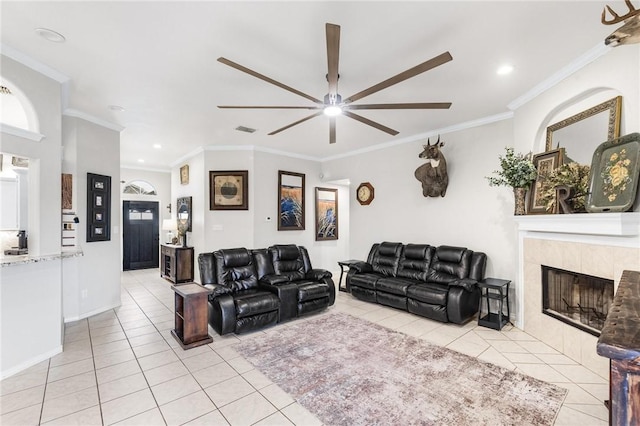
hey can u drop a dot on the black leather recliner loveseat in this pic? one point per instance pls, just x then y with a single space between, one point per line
439 283
251 289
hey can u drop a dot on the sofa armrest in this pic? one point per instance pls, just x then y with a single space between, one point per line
217 290
273 279
361 267
318 274
466 283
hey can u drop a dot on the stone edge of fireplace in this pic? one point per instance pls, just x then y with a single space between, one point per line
600 244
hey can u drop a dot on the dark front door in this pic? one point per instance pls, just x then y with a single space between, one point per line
140 234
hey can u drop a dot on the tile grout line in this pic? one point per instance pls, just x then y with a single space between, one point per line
44 393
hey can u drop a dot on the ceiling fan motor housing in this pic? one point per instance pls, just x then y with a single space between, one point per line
331 100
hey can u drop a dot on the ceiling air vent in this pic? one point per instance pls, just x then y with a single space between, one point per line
5 90
245 129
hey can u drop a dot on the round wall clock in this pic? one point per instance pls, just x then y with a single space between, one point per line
365 193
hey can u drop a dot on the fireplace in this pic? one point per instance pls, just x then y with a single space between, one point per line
579 300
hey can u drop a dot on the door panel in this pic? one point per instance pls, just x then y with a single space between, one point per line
140 234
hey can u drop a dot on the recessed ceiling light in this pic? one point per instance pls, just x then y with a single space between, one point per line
116 108
140 160
50 35
157 146
505 69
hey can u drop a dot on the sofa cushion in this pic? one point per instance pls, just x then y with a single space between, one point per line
430 293
364 280
312 290
397 286
415 261
450 264
287 261
234 269
386 259
254 302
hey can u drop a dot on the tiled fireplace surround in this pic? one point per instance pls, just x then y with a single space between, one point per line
598 244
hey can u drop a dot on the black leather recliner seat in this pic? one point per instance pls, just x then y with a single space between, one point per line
434 282
251 289
237 303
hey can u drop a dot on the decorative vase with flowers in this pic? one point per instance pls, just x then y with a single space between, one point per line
516 171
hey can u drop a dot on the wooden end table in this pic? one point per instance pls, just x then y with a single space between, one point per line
191 315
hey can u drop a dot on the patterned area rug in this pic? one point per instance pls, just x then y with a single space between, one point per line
348 371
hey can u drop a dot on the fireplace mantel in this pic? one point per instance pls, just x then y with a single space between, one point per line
605 224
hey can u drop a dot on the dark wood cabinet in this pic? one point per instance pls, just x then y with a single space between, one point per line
191 315
176 263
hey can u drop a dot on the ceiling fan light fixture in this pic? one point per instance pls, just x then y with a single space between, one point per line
332 110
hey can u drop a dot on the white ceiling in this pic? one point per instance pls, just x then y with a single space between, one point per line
158 61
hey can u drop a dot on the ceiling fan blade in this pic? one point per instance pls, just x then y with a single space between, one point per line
412 72
267 79
422 105
296 123
370 123
267 107
333 55
332 130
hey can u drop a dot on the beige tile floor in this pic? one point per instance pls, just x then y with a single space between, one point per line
123 367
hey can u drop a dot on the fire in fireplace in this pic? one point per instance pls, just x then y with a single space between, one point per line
577 299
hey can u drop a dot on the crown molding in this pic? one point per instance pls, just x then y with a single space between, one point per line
22 133
421 136
32 63
585 59
145 169
70 112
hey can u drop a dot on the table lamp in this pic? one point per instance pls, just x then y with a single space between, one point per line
170 226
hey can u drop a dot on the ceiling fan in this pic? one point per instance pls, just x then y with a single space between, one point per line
333 105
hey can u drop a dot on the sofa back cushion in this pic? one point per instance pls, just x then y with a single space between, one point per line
207 267
287 261
450 264
415 261
235 269
386 258
262 262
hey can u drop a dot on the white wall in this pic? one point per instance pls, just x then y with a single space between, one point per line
471 214
92 282
31 295
216 229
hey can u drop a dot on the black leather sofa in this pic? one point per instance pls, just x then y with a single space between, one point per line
251 289
439 283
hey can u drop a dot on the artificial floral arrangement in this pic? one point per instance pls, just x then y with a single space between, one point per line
571 174
516 170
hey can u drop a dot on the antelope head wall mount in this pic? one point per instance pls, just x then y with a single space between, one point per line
629 33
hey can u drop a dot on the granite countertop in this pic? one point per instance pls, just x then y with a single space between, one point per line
8 260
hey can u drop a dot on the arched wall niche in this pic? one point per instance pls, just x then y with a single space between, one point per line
20 114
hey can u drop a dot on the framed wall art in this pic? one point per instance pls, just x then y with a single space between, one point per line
615 171
545 163
229 190
326 214
290 201
184 174
98 207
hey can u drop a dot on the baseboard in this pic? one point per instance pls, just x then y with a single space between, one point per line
30 363
92 313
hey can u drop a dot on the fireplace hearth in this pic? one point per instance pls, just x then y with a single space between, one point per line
579 300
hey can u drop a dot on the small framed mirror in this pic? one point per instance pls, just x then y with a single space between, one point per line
582 133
